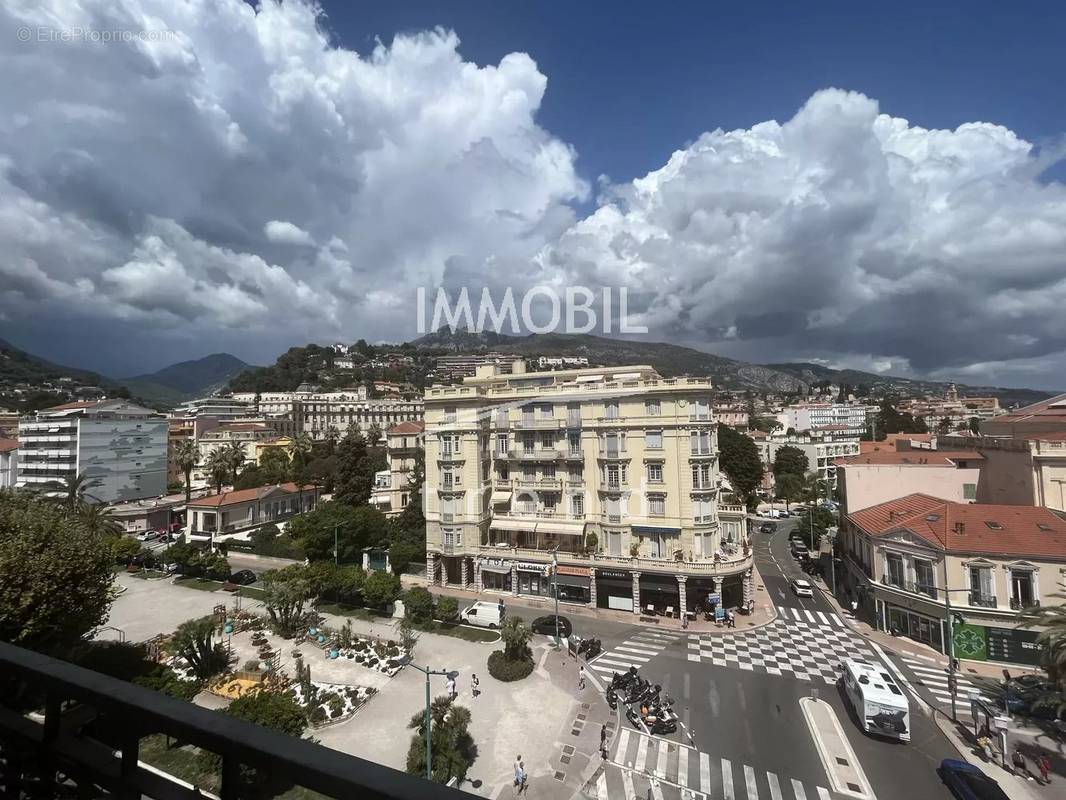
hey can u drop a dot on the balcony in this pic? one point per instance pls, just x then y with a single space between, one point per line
982 600
536 454
724 565
612 452
538 424
1017 604
90 733
538 483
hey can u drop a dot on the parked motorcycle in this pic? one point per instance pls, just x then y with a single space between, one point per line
590 648
623 680
612 698
660 718
636 691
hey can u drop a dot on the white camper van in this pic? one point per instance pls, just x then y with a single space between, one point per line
485 615
880 704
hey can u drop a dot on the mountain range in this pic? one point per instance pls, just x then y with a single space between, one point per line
726 373
186 379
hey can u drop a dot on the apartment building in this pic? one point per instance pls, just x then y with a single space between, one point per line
1029 470
868 479
851 419
315 412
1047 416
613 472
562 362
233 512
9 462
391 486
821 455
918 565
250 435
464 365
732 415
119 446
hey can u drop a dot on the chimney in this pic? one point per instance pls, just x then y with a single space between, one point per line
891 515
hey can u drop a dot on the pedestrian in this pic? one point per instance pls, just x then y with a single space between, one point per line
522 785
985 743
603 742
1020 765
581 678
517 771
684 621
474 683
452 693
1043 763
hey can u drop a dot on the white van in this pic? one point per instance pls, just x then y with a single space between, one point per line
485 615
880 704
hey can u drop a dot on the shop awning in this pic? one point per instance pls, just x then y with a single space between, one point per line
508 524
656 530
573 580
558 527
501 497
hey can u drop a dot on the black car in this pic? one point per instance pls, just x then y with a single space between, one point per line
967 782
243 577
546 625
767 527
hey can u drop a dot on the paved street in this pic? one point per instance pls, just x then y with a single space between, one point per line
737 695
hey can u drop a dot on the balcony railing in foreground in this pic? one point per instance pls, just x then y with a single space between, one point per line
60 756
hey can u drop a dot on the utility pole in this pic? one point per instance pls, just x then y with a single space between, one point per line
429 717
336 548
555 591
952 680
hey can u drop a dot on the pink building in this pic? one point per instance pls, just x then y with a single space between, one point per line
871 478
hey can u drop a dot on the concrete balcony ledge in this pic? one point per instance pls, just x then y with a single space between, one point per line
729 565
537 424
538 483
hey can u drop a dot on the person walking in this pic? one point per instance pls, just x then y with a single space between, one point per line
474 684
1020 765
603 742
1043 763
518 773
522 784
581 678
451 689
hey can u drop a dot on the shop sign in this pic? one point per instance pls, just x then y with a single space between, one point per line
970 641
714 598
1013 646
495 562
529 566
610 573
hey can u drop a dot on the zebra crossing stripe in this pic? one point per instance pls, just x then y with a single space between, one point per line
823 793
623 746
810 616
656 791
821 616
682 767
749 781
624 663
705 773
626 649
601 787
836 620
660 762
775 787
643 745
798 790
727 778
627 783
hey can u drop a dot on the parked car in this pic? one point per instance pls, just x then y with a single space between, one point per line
1021 695
800 551
802 588
968 782
147 536
482 614
243 577
767 527
546 625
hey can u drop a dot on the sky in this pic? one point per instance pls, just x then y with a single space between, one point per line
865 187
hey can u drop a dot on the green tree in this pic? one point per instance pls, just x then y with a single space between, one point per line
516 636
124 548
975 425
279 712
447 608
418 604
380 589
813 524
194 641
73 491
276 461
55 576
185 456
355 471
789 487
285 592
453 746
217 467
99 519
233 453
943 427
302 445
353 529
739 458
790 460
186 556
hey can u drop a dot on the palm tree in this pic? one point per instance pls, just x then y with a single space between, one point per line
301 449
373 434
73 490
233 453
332 437
98 519
185 456
217 466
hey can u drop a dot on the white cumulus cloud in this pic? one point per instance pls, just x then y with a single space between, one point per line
283 232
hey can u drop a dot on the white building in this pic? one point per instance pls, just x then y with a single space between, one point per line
315 412
821 455
119 446
559 362
850 419
9 461
391 486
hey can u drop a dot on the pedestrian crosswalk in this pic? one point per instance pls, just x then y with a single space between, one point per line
934 679
828 618
649 766
635 651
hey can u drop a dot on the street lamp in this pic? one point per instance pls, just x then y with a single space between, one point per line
429 719
555 591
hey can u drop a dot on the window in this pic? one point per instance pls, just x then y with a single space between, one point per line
574 475
611 409
1022 593
449 446
449 414
504 472
702 511
501 444
547 411
701 476
577 505
655 473
615 475
548 471
527 414
574 441
969 491
613 445
547 440
614 510
656 506
700 442
501 417
923 577
894 570
652 408
573 415
653 440
982 592
701 409
527 443
453 537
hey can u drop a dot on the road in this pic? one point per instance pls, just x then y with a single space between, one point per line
738 696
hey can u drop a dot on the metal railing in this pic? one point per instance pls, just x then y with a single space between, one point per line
1017 604
538 424
539 483
94 759
982 600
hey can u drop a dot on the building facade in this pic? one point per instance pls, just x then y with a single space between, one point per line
836 416
929 569
821 455
315 413
9 463
611 473
233 512
392 489
1029 471
250 435
120 447
869 479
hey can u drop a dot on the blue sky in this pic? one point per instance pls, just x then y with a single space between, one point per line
257 177
630 82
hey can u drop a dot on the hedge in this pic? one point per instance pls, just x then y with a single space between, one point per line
504 670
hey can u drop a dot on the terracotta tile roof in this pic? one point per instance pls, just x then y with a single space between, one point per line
78 404
892 438
937 458
1056 436
247 495
7 445
994 530
1052 407
243 426
410 426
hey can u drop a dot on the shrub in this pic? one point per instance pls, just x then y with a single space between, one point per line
447 609
251 665
336 706
318 715
504 670
418 604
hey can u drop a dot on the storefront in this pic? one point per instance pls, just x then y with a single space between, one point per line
496 575
916 626
533 579
614 589
575 585
701 595
661 592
